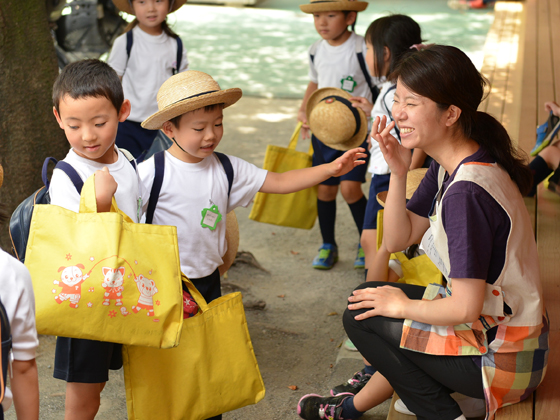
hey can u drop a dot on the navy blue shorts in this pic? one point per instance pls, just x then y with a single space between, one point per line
325 154
85 361
378 183
209 287
132 137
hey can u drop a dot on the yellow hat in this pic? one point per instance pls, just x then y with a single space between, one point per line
330 5
413 179
333 119
126 5
188 91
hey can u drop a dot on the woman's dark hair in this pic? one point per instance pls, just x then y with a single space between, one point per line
164 26
396 32
447 76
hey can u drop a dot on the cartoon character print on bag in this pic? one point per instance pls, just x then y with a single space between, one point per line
71 281
148 289
113 284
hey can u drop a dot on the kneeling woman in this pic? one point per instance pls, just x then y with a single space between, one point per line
485 335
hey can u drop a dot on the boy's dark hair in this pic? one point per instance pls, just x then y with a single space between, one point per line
396 32
208 108
88 78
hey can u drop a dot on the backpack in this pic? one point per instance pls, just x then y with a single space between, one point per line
20 221
359 54
5 350
159 162
130 40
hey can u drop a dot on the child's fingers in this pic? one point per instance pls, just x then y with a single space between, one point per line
105 169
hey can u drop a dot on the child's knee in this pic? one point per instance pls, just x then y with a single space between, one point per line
327 192
351 191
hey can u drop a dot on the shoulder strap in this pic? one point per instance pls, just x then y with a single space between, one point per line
313 50
129 156
159 162
68 170
179 55
359 53
226 163
388 110
129 41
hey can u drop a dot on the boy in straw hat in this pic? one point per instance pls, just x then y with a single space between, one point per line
16 295
335 63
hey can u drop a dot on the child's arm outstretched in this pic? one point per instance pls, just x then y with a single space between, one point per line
311 87
105 189
300 179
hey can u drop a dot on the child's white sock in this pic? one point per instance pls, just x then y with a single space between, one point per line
461 417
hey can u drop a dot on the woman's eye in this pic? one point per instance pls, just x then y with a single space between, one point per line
219 125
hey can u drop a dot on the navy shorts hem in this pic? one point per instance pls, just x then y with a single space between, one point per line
378 183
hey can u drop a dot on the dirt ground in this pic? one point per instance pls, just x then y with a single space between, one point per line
298 335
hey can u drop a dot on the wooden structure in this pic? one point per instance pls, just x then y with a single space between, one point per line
522 63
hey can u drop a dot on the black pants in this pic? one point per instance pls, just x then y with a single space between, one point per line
424 382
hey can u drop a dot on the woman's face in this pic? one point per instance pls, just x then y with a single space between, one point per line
420 121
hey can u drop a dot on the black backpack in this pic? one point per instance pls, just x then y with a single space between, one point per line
20 221
6 334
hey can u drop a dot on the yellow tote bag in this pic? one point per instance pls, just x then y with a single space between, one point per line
299 209
212 371
102 277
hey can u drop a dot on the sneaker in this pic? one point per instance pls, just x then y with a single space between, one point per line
545 133
352 385
348 345
315 407
360 261
470 407
327 257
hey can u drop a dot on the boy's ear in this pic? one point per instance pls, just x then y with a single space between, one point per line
167 128
351 18
58 119
125 111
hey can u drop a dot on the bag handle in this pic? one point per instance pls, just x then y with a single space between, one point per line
88 203
295 137
197 296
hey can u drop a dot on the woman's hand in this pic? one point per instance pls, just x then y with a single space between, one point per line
397 157
362 103
385 301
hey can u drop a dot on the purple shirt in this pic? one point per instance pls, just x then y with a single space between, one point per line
477 227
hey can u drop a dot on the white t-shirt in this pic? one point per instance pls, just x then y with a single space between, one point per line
188 189
333 66
63 193
16 292
383 104
151 62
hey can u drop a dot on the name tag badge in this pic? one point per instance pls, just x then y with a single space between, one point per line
348 84
210 217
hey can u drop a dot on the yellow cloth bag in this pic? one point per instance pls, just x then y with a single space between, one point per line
419 270
299 209
212 371
100 276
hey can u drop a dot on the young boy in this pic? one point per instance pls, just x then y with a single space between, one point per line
88 105
194 193
16 294
334 63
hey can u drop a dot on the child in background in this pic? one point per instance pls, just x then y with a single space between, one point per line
195 186
16 293
547 159
88 105
335 63
156 54
387 40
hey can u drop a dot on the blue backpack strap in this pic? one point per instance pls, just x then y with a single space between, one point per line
71 172
129 41
44 172
159 162
179 55
359 53
226 163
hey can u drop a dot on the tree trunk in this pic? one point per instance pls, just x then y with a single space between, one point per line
28 129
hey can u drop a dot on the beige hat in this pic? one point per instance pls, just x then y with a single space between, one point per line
232 239
333 119
1 175
126 5
188 91
329 5
413 179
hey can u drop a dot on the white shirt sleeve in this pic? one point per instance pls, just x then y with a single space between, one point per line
147 172
118 58
184 60
62 191
248 179
313 75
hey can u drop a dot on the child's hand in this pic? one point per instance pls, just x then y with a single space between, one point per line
347 162
304 128
552 106
362 103
105 188
397 157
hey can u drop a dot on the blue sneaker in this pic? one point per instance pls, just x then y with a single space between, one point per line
328 255
545 133
360 261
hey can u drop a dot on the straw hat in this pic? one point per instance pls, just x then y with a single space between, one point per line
334 120
232 239
330 5
1 175
188 91
413 179
126 5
